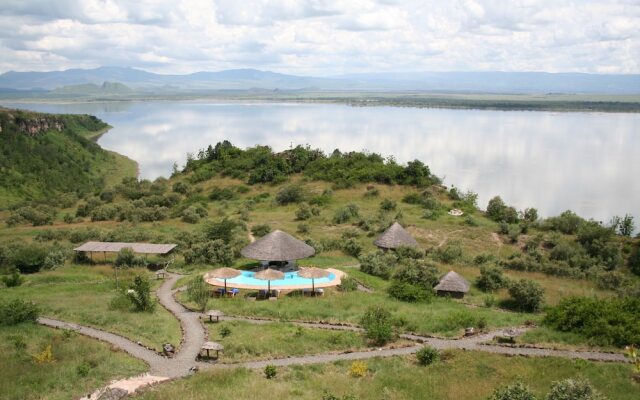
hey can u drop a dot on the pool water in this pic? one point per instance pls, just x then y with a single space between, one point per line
290 279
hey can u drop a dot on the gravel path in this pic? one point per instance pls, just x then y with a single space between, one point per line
163 368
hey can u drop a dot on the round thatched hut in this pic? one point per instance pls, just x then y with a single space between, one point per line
452 284
279 247
395 236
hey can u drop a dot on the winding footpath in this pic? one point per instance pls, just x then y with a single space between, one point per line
162 368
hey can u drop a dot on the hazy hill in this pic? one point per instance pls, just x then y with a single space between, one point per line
46 156
90 89
251 79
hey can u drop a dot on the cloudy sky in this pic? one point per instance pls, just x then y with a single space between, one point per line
321 37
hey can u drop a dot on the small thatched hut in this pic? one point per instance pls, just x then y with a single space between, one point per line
395 236
452 284
277 246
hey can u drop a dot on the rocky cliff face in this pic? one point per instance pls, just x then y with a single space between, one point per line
31 125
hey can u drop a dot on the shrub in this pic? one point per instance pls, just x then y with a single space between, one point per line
55 259
303 212
409 252
181 187
420 273
304 228
352 247
346 214
427 355
491 279
567 222
44 357
120 302
218 194
270 371
527 295
408 292
127 258
573 389
198 292
28 258
18 311
634 260
348 284
448 253
192 214
83 369
225 331
388 205
377 263
358 369
290 194
261 229
605 322
517 391
377 324
139 294
372 192
12 280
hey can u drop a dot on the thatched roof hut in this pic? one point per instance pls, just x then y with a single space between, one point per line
395 236
452 284
277 246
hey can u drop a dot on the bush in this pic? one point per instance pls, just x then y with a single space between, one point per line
192 214
348 284
517 391
290 194
346 214
378 263
491 279
377 324
527 295
12 280
420 273
358 369
139 294
388 205
303 212
181 187
604 322
352 247
634 260
408 292
573 389
270 371
447 254
18 311
224 331
567 222
304 228
28 258
55 259
409 252
218 194
198 292
427 355
127 258
260 230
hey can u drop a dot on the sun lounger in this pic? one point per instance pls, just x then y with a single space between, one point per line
233 292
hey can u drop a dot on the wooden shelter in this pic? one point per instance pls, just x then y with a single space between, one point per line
395 236
114 247
452 284
277 246
209 346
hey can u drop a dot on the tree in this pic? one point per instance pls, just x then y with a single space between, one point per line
140 294
495 208
198 292
377 325
527 295
624 226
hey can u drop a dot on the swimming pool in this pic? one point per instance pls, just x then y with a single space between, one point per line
291 281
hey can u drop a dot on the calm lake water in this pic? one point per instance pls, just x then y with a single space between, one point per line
586 162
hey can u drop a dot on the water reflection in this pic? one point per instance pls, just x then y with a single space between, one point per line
552 161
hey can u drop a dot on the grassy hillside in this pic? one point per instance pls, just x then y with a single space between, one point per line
53 157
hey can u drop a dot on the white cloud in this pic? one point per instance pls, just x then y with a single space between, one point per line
322 37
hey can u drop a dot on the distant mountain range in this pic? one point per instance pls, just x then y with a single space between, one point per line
74 82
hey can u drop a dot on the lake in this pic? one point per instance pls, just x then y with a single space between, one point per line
586 162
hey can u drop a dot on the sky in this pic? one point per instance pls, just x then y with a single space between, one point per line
322 38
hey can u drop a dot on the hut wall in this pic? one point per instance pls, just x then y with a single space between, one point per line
446 293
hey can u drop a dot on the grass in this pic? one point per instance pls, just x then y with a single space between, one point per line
462 375
82 294
80 365
248 341
543 336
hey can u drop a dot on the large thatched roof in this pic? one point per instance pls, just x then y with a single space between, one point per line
453 282
395 236
277 246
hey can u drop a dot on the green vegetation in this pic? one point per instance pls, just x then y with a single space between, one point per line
78 365
378 325
460 375
51 157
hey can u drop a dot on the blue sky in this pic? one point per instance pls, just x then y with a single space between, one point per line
320 37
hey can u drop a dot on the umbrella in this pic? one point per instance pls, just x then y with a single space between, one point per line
313 273
223 273
269 275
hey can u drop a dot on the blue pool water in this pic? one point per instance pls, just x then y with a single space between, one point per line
290 279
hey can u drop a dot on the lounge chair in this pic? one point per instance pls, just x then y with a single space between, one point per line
319 292
233 292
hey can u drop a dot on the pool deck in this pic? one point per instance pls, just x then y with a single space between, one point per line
334 282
